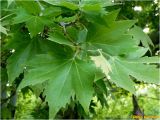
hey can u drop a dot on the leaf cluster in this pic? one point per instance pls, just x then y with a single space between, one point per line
66 48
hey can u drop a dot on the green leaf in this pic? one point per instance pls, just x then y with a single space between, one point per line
25 48
139 52
140 36
144 72
122 69
114 72
103 3
99 75
63 3
10 2
58 37
121 45
17 61
36 24
154 59
66 19
4 76
52 11
69 5
66 78
56 44
53 2
22 16
73 32
38 88
92 8
17 39
120 77
101 91
82 35
78 36
96 13
3 30
95 18
112 40
30 6
111 16
101 85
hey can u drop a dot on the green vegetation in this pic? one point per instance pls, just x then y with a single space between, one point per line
78 59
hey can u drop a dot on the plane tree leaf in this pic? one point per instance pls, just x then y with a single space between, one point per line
120 78
34 23
60 38
154 59
65 77
139 52
140 36
30 6
21 16
101 91
64 3
25 49
112 40
17 61
144 72
122 69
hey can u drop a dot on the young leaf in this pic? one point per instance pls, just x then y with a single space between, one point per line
102 63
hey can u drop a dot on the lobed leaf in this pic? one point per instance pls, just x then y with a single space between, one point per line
140 36
66 78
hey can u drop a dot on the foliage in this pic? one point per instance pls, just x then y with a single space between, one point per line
122 103
56 46
30 107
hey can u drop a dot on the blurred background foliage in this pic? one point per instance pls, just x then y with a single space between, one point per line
119 102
